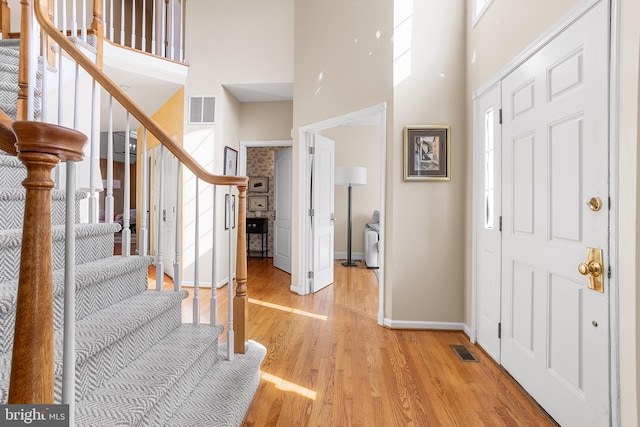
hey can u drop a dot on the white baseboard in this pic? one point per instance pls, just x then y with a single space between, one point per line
191 284
410 324
471 333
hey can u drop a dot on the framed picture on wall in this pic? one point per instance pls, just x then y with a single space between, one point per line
259 203
259 184
426 153
230 161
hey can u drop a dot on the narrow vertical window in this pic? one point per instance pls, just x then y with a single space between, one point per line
489 170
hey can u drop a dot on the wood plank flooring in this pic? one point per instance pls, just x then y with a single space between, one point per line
329 363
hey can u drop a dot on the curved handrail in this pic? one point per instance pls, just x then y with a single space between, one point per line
7 137
40 9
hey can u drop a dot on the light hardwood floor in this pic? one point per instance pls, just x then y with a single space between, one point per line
329 363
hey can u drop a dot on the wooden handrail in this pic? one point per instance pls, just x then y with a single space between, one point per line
40 8
7 137
40 147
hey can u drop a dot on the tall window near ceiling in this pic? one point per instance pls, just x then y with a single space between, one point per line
479 7
489 170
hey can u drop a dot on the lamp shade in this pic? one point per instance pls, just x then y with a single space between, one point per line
352 175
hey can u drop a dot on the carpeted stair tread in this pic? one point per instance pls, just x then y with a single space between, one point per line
223 397
12 201
128 397
10 43
107 326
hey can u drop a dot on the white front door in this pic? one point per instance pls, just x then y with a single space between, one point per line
487 155
322 215
282 220
555 329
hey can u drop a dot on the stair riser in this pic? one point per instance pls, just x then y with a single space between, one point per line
109 361
11 174
88 248
89 299
12 213
175 397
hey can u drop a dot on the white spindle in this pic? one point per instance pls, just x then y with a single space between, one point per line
69 333
153 27
133 24
144 230
104 19
196 262
64 23
177 276
45 86
74 19
94 164
84 21
143 36
159 207
108 200
122 41
172 28
163 33
111 20
126 231
213 303
32 60
230 333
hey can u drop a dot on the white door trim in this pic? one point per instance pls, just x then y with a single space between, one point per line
614 322
376 115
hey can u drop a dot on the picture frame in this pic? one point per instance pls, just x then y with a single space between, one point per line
229 220
259 203
230 161
427 154
258 184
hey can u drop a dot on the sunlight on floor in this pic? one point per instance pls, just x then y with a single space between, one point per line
285 385
287 309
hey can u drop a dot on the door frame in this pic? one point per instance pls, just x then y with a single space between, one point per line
242 154
614 322
374 115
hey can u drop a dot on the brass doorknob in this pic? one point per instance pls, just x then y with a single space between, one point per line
591 268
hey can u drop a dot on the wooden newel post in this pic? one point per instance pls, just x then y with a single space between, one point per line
98 29
240 303
22 103
40 147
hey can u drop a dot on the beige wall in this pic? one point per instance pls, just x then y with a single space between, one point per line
488 50
426 243
356 146
266 121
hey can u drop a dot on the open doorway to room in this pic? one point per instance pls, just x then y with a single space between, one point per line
268 164
367 150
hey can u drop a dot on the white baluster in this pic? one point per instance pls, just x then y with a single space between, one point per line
111 20
122 40
213 303
163 34
69 355
109 210
64 23
94 164
126 231
172 28
144 230
84 21
45 86
74 19
133 24
160 206
230 333
177 276
153 27
196 262
104 19
143 36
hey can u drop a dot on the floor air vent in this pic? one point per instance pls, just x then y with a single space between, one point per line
463 353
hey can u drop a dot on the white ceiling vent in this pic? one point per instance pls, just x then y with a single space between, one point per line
202 110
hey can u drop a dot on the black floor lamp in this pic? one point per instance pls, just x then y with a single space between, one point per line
350 176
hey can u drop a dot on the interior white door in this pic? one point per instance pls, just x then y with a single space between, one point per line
282 220
487 157
555 159
167 165
322 204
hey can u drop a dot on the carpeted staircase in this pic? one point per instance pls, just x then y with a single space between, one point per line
136 363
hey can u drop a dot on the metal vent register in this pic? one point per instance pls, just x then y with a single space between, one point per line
463 353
